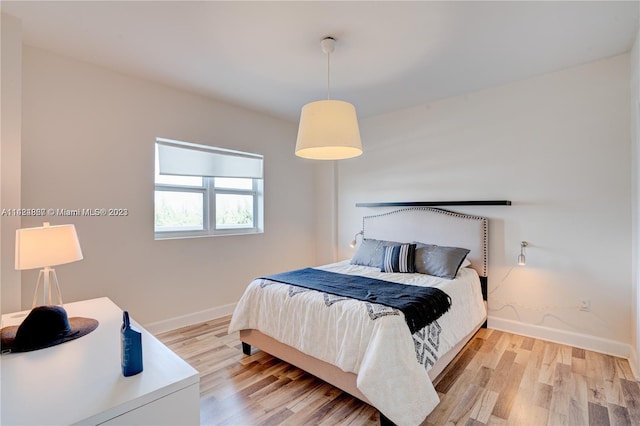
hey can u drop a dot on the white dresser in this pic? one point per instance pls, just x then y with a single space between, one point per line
81 381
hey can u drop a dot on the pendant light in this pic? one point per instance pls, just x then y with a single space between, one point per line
328 129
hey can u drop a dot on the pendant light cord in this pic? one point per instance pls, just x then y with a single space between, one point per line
328 75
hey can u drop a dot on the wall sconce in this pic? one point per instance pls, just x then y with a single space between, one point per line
522 260
354 242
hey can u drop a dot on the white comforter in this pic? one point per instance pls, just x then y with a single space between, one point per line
381 351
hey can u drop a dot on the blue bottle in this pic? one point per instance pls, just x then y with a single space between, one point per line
131 342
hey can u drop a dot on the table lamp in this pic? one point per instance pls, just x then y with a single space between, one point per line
43 247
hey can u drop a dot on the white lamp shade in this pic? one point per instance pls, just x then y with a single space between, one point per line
328 130
46 246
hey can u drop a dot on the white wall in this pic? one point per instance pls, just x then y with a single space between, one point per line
88 142
10 139
635 197
326 212
558 146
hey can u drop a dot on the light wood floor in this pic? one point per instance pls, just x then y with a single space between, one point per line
499 378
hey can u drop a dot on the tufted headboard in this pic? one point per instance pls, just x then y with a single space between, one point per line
435 226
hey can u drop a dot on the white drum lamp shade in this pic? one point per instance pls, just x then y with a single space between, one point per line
328 130
46 246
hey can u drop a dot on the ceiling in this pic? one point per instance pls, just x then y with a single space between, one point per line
389 55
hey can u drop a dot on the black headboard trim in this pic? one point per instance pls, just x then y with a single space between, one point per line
436 203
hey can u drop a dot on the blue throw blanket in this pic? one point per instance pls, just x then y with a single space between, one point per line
420 305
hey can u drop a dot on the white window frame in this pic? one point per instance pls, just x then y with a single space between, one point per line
255 192
209 191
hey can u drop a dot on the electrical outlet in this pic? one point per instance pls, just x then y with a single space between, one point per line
585 305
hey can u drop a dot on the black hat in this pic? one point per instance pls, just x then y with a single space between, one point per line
45 326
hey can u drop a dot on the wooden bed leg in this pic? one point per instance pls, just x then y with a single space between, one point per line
384 421
246 348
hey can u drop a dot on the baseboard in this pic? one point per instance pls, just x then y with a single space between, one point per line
633 362
189 319
578 340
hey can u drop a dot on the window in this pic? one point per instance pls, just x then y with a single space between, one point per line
201 190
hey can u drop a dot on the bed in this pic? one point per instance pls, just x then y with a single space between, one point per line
365 348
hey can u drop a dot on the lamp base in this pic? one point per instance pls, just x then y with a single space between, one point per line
48 278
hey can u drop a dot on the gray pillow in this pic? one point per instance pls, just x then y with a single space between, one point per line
439 261
370 252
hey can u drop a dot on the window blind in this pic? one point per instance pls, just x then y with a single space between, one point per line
189 159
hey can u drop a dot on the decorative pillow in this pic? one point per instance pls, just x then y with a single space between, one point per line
466 262
439 261
370 252
400 258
